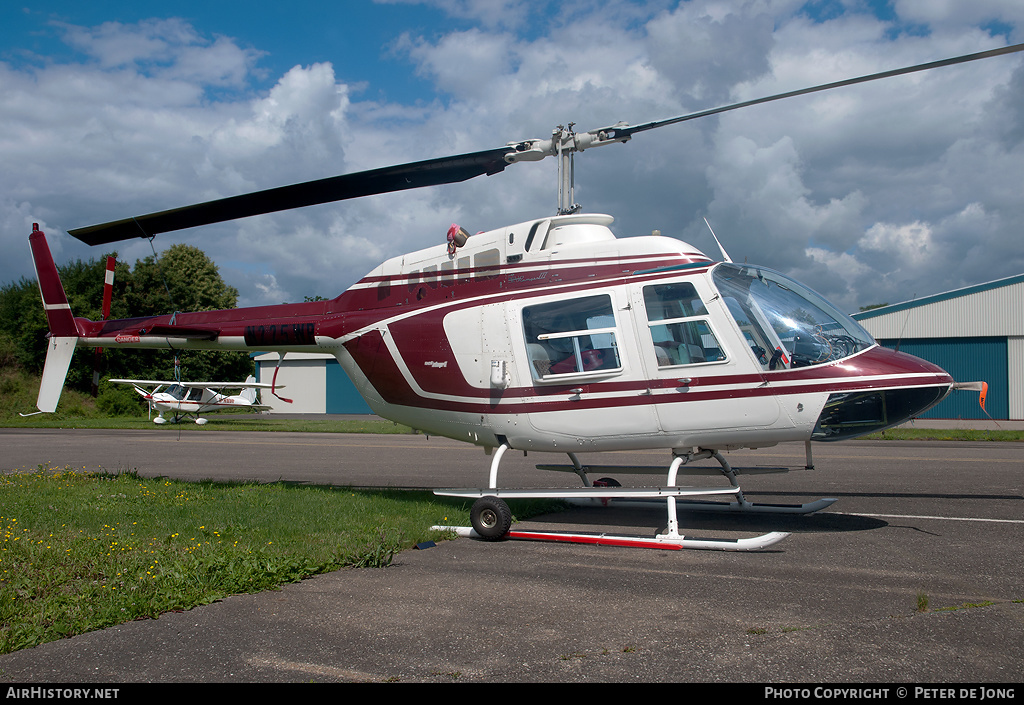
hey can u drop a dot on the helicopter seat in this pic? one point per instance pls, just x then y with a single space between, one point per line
540 360
671 353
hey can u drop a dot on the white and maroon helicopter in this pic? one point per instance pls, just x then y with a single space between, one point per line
553 335
190 399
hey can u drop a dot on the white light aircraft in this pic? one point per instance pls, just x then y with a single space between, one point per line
190 399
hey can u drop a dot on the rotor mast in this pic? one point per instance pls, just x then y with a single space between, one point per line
564 144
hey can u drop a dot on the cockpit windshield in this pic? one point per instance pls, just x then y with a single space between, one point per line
176 391
785 323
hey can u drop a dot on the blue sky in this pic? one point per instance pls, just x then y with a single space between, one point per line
874 194
354 36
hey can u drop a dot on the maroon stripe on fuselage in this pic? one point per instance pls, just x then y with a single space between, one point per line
397 293
287 325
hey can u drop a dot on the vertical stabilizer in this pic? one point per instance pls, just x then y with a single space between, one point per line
249 393
63 331
55 301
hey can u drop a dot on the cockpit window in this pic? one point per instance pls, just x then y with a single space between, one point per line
785 323
177 391
679 325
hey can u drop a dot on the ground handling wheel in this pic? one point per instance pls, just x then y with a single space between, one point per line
491 518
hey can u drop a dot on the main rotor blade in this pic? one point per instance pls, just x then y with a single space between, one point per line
431 172
629 131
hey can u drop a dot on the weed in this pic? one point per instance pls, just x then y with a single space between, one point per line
922 602
966 606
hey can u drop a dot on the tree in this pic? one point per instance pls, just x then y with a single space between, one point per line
183 279
193 282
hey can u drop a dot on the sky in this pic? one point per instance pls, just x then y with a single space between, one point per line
879 193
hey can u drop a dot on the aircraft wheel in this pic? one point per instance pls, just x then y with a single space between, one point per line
491 518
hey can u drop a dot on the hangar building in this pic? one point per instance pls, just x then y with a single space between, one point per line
975 333
314 382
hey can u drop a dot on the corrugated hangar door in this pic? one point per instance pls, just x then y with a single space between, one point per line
342 395
967 360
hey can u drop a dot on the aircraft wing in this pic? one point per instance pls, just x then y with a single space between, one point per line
142 382
197 385
229 385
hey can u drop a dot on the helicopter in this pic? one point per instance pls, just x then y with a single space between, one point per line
552 335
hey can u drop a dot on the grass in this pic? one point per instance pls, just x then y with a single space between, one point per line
18 392
221 421
81 551
945 434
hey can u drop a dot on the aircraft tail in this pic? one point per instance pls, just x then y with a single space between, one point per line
249 393
63 330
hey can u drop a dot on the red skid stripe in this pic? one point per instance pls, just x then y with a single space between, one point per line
595 540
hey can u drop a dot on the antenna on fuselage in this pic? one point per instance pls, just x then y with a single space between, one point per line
725 255
905 322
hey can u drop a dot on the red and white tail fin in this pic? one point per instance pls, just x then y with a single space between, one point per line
108 294
108 285
55 301
63 331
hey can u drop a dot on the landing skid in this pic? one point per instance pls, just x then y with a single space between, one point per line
491 518
663 542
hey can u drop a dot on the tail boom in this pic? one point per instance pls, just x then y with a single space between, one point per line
281 328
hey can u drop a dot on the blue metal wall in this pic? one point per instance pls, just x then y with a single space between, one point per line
342 396
967 360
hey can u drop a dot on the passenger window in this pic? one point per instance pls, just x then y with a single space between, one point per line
679 326
486 264
571 337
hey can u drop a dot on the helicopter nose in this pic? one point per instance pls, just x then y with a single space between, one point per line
901 387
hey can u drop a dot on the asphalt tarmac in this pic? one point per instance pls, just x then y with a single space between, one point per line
833 603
